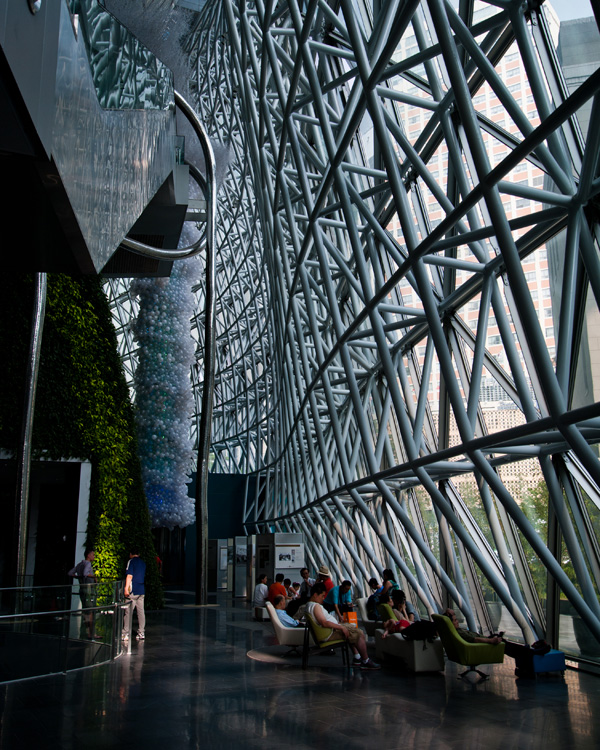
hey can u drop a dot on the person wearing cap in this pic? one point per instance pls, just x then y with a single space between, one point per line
323 576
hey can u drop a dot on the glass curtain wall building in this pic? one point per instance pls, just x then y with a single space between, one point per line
408 283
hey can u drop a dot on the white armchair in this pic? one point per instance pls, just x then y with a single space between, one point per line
293 637
369 626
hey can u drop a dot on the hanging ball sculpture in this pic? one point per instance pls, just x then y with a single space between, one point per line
164 403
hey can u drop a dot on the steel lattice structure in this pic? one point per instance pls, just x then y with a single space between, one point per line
408 288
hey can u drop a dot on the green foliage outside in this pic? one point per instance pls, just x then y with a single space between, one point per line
535 507
82 411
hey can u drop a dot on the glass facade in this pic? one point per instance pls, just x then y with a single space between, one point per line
408 283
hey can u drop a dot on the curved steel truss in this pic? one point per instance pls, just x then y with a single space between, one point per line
408 290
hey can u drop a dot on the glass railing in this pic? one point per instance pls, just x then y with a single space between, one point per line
126 74
50 629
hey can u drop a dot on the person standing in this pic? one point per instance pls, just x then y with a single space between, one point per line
305 589
135 590
306 584
84 573
323 576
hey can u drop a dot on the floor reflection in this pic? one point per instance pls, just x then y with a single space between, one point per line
191 685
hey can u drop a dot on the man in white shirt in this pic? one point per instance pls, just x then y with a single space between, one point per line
260 596
355 637
306 585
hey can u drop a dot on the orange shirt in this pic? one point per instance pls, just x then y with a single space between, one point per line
275 589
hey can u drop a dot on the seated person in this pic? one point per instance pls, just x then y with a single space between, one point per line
339 599
294 590
384 598
468 635
394 626
277 588
355 637
283 616
400 603
261 593
373 603
374 585
520 652
389 584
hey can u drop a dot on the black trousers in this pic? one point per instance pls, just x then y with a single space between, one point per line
522 654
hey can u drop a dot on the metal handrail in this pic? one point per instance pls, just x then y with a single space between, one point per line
111 641
70 611
210 192
59 585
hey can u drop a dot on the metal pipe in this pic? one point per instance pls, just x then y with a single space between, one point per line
24 453
210 190
204 429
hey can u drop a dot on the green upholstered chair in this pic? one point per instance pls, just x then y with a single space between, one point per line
320 636
467 654
386 612
367 625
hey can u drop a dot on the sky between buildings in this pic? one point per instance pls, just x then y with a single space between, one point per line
569 9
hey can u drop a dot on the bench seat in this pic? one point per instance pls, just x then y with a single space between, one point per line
419 656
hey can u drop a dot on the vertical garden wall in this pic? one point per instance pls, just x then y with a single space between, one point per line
83 411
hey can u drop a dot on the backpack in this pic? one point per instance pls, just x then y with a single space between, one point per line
423 630
372 612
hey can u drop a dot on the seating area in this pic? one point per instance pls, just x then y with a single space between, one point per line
399 639
417 656
191 684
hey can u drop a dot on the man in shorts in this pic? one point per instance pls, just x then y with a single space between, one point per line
355 637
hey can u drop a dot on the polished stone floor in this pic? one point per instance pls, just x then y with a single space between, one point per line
191 684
